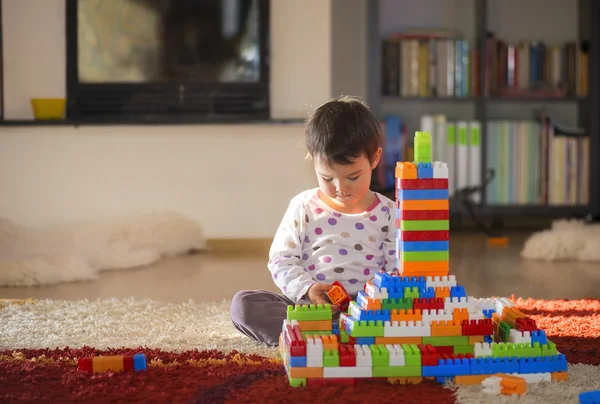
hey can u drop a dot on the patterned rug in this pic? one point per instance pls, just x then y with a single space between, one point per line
202 371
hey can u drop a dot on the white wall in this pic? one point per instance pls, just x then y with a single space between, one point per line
56 174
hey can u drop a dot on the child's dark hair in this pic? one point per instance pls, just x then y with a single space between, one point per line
341 130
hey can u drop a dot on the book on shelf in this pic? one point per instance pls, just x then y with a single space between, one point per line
535 68
429 63
536 165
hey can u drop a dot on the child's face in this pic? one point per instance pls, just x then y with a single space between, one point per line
346 185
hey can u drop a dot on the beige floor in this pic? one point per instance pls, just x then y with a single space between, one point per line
484 271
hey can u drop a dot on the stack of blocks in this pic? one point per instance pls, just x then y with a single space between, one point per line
419 323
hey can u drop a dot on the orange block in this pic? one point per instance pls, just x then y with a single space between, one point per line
406 315
560 376
329 341
433 204
467 380
512 384
406 171
423 273
475 338
302 373
321 325
336 295
371 304
442 292
431 266
405 380
458 315
398 340
511 314
445 329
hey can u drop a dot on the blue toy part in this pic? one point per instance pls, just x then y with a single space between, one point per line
488 313
444 379
422 194
298 361
448 367
374 315
384 280
458 291
411 282
590 397
424 170
395 293
539 336
139 362
489 366
427 293
543 364
365 340
421 246
488 339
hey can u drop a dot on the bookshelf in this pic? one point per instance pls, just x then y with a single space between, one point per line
531 87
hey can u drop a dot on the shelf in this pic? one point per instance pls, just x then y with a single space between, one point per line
535 99
534 210
149 121
393 98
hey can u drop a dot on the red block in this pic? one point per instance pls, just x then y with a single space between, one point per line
429 356
347 355
128 363
437 235
526 324
428 304
85 365
477 327
425 183
444 350
423 215
293 338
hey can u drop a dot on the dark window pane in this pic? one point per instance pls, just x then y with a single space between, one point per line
153 41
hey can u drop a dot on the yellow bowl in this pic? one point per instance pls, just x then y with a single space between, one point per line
48 108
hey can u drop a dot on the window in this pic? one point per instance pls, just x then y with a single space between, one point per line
167 60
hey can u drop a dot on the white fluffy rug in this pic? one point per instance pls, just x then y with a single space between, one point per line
76 252
566 240
176 327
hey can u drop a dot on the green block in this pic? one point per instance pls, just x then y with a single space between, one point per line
446 341
424 225
411 293
380 355
331 358
424 256
397 304
397 371
344 336
367 329
296 382
412 355
549 349
309 312
520 350
464 349
422 147
504 331
305 333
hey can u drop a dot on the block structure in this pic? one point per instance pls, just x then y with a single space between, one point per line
418 323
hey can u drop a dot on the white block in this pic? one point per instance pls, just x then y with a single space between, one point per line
363 355
491 385
477 314
501 303
452 303
440 169
534 377
440 281
406 329
347 371
314 347
395 354
516 336
436 315
482 349
375 292
314 361
486 303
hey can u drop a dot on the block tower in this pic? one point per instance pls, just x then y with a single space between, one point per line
418 323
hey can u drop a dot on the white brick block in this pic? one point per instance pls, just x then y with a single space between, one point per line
482 349
363 355
440 281
395 354
440 169
406 329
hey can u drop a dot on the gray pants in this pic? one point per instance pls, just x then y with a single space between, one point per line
259 314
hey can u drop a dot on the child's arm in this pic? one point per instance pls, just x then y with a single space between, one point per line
285 256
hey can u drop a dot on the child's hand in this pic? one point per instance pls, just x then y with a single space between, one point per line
316 295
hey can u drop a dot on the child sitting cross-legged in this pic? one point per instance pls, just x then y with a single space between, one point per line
341 231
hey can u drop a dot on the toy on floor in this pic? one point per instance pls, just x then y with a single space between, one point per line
504 384
116 363
419 323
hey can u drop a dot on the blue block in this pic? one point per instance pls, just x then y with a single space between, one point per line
543 364
427 293
365 340
424 170
488 339
488 313
539 336
384 280
420 246
335 328
422 194
139 362
362 298
374 315
590 397
458 291
487 365
395 293
444 379
448 367
298 361
411 282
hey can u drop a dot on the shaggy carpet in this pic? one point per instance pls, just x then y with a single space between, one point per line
566 240
195 355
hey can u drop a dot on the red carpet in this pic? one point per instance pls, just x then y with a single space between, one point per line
215 377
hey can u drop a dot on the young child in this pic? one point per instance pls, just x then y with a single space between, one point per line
340 231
